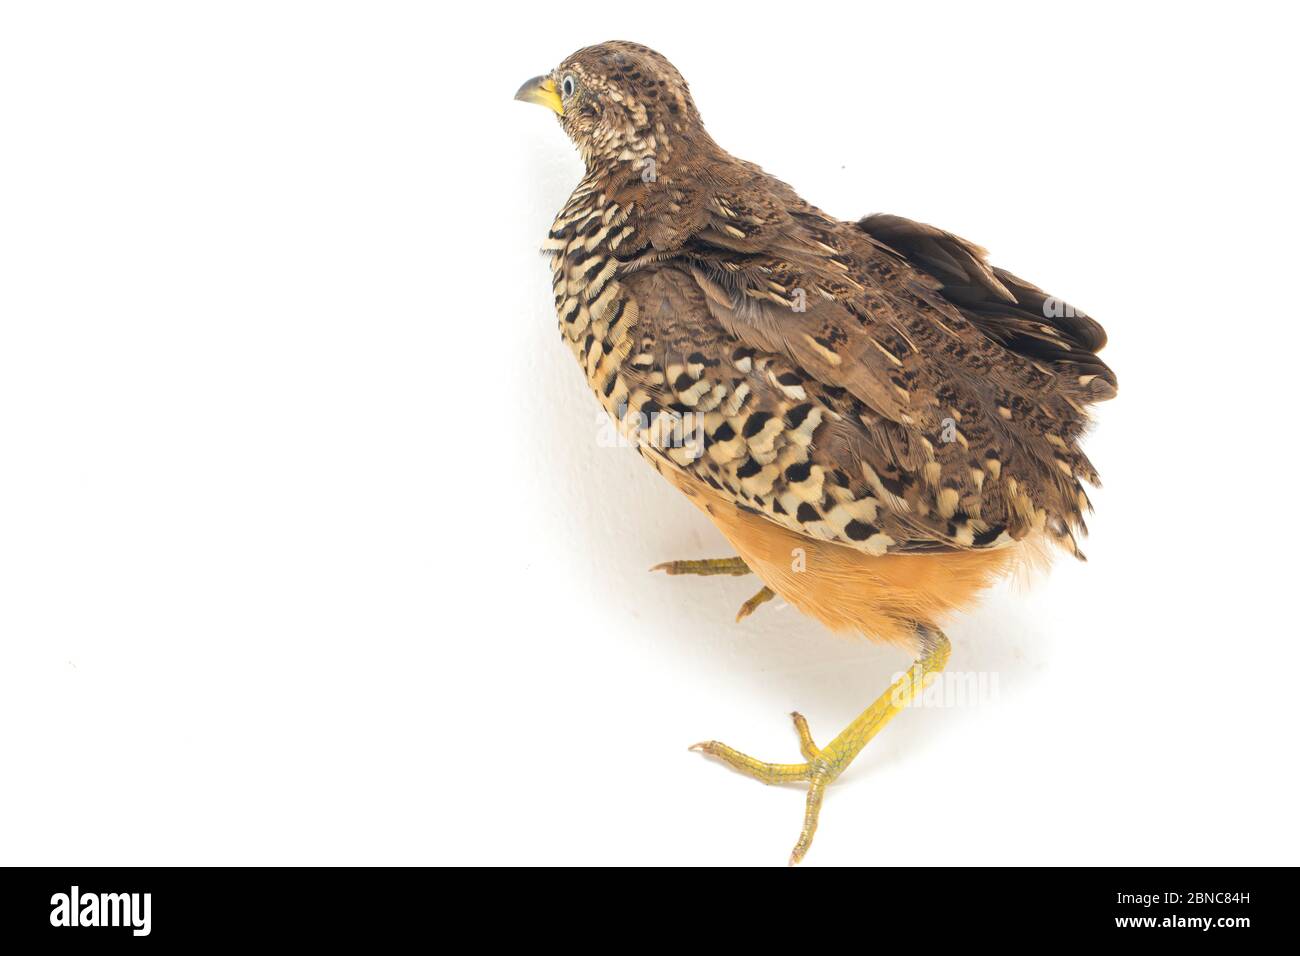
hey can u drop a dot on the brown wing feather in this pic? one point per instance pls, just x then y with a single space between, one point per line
1014 313
899 393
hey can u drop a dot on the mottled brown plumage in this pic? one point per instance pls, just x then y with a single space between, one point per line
873 387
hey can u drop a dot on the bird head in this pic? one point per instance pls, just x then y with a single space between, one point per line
620 102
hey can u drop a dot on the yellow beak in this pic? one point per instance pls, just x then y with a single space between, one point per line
541 90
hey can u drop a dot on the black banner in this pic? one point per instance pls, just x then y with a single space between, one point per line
138 907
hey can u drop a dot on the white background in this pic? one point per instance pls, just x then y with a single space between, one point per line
308 553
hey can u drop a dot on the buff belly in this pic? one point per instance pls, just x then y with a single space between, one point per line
848 591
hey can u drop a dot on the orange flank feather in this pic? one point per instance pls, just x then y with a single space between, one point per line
883 598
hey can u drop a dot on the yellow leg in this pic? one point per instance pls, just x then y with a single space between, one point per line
733 566
825 764
762 597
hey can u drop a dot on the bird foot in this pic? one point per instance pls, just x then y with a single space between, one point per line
823 765
820 768
733 566
762 597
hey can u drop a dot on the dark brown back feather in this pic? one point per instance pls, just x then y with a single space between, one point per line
1016 314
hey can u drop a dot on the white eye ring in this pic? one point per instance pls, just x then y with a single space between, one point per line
567 87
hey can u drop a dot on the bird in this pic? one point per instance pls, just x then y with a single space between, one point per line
880 422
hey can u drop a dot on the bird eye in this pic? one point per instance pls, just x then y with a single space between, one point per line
567 86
